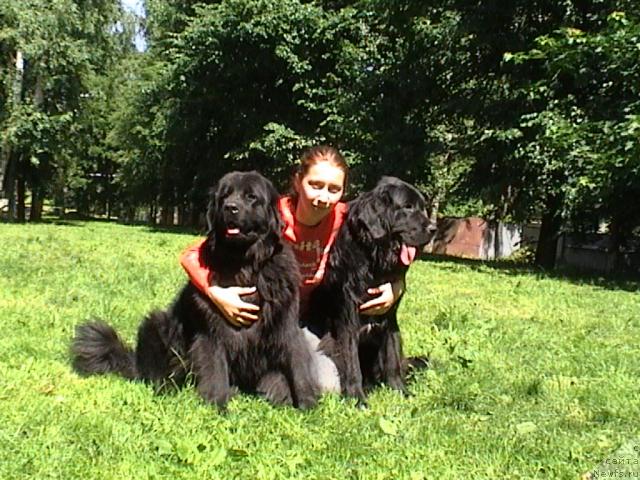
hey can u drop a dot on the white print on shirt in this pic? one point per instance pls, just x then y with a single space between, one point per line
313 255
309 247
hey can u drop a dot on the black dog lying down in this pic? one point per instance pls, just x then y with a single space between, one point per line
244 247
383 230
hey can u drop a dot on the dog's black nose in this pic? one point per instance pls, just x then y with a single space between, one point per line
231 208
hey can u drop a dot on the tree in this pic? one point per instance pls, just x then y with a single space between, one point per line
243 84
584 144
62 43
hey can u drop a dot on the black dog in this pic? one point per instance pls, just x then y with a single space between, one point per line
244 247
379 239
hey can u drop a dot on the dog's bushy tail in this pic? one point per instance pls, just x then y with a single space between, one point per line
412 365
97 349
420 362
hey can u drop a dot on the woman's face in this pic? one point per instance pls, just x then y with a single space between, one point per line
318 192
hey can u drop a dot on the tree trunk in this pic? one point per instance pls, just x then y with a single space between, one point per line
7 179
549 232
497 239
20 200
152 213
35 214
435 207
433 217
37 199
130 214
10 187
8 159
618 237
5 156
108 188
59 198
166 216
181 215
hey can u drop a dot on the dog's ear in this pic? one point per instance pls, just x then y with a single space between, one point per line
370 214
210 242
212 208
276 224
264 247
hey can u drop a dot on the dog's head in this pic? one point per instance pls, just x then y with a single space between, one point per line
396 212
243 211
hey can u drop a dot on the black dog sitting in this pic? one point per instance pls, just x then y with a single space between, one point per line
244 247
382 232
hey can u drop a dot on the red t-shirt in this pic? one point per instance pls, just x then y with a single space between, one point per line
311 247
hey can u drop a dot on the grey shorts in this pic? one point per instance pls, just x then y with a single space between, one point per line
326 371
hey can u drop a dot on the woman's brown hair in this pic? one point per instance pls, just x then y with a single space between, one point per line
316 154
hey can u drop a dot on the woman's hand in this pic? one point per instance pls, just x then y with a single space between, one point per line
236 311
387 294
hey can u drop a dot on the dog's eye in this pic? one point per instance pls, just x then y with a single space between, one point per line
250 196
408 206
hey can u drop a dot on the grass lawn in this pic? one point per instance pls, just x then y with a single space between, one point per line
534 376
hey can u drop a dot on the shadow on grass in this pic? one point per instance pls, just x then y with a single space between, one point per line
617 281
78 220
64 222
173 229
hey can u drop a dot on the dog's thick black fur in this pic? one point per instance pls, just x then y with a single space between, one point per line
383 230
244 247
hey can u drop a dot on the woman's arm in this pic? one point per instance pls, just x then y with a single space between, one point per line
388 294
199 274
228 301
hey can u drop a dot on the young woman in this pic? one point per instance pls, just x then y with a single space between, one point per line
312 215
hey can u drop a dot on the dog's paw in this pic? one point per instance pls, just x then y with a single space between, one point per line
275 389
356 391
218 396
307 402
398 384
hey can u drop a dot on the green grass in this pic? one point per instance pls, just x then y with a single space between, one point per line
534 376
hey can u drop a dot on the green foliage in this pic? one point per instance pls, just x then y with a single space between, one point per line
585 131
534 376
249 77
65 44
516 112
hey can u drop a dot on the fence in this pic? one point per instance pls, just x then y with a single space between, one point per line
474 237
595 253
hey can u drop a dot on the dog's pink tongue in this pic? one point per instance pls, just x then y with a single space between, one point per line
233 231
407 254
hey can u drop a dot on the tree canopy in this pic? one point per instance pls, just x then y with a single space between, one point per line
519 111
